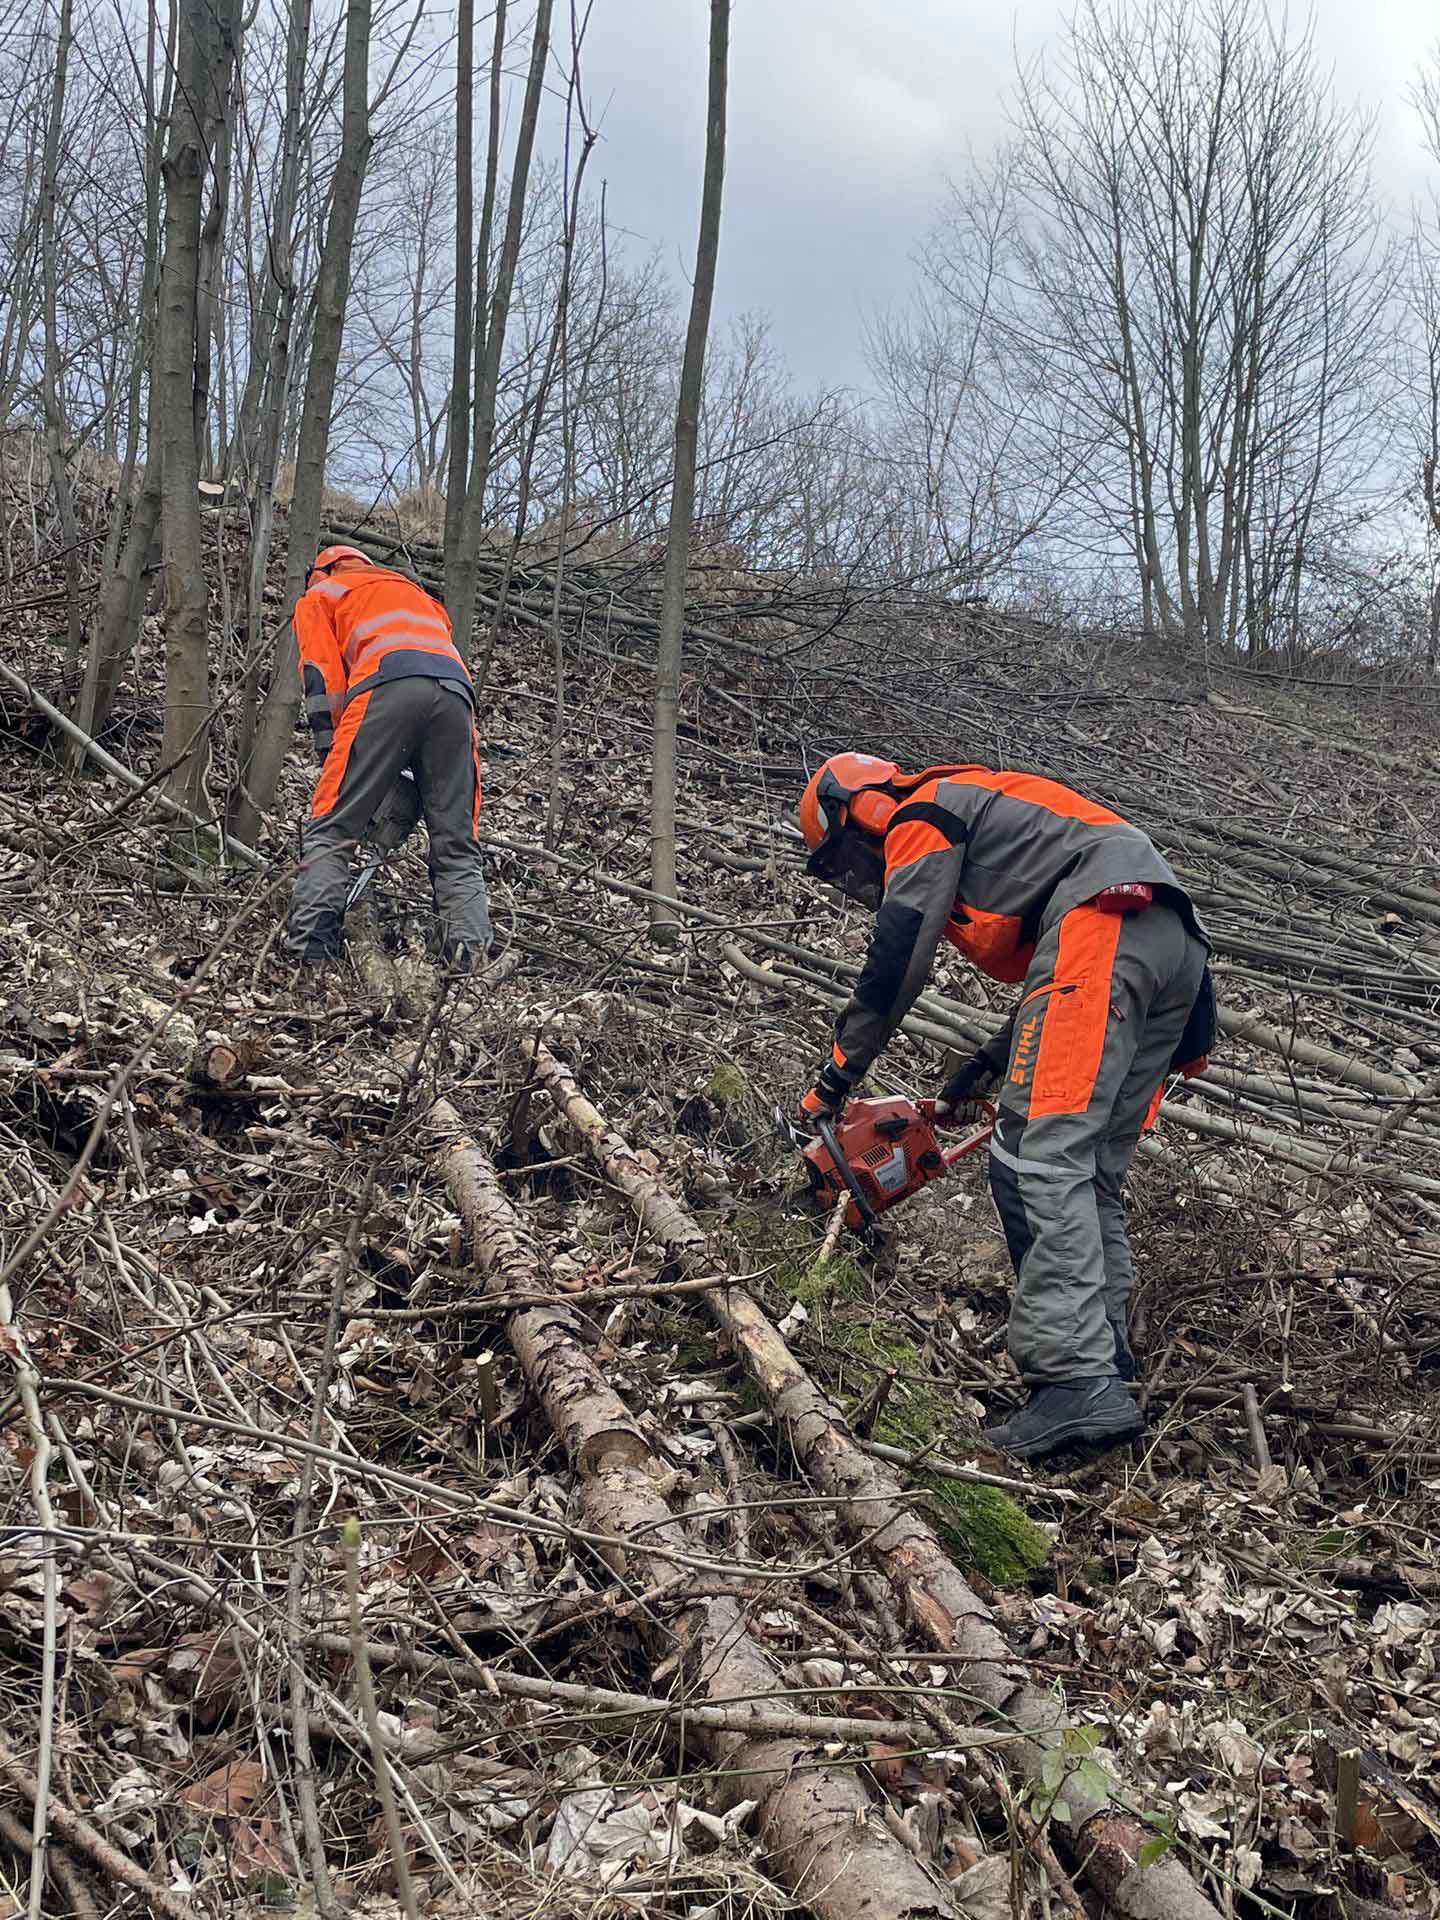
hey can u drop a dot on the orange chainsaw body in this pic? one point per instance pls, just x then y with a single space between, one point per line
881 1151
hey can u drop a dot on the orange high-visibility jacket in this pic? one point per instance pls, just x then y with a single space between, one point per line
358 625
985 860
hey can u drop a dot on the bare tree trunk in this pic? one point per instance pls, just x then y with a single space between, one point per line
206 56
53 403
682 489
119 603
280 256
460 568
208 309
260 773
464 344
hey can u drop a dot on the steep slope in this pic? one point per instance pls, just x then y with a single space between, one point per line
254 1308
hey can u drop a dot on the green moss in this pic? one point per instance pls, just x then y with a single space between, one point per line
982 1528
727 1086
787 1249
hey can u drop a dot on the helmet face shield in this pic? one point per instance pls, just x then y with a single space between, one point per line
852 863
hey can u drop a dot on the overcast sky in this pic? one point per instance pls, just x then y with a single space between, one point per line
846 116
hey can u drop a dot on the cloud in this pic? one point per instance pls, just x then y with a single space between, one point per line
846 117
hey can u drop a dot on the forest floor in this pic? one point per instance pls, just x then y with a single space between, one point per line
342 1341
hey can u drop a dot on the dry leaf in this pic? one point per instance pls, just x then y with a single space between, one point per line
227 1791
886 1763
255 1851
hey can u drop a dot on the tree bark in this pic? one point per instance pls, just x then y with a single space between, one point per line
260 772
682 485
464 326
872 1508
461 567
205 59
819 1824
282 290
53 401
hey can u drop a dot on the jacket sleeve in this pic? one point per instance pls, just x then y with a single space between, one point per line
322 672
924 859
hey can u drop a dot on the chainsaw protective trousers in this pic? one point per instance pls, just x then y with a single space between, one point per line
427 725
1106 999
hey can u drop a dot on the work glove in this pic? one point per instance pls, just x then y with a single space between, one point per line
959 1098
825 1099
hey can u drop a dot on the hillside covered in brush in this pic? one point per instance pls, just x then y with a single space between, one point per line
475 1336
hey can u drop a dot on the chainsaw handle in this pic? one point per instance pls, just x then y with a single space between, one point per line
927 1108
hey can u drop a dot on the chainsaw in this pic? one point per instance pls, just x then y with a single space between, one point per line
881 1151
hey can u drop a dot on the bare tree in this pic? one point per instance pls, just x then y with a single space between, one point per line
1191 258
119 601
54 414
272 364
206 48
1422 287
260 771
682 489
490 344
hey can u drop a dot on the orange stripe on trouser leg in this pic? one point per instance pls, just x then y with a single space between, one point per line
1072 1040
332 774
475 756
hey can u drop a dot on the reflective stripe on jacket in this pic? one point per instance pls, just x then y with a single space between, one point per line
986 860
358 625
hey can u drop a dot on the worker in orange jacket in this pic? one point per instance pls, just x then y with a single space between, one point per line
1033 883
386 695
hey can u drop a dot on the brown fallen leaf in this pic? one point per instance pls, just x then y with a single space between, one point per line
204 1664
226 1792
256 1852
132 1667
886 1763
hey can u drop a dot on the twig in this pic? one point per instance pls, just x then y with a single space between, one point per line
833 1230
77 1832
1259 1446
973 1476
370 1709
492 1304
26 1379
862 1423
62 1869
739 1716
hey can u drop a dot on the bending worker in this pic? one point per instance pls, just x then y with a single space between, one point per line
1032 883
386 694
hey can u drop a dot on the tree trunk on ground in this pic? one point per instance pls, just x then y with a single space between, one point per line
260 773
819 1824
682 487
872 1506
461 567
206 55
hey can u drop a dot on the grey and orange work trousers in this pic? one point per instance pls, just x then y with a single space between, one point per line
424 725
1105 1002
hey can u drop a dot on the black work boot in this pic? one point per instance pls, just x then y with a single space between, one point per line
1070 1410
1124 1358
322 944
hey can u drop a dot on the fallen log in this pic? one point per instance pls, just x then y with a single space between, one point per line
820 1826
1104 1842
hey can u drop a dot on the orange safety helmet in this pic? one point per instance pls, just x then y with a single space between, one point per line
843 811
329 557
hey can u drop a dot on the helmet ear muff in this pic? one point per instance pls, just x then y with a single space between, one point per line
872 811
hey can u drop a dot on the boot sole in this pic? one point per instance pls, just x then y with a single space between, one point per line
1060 1436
